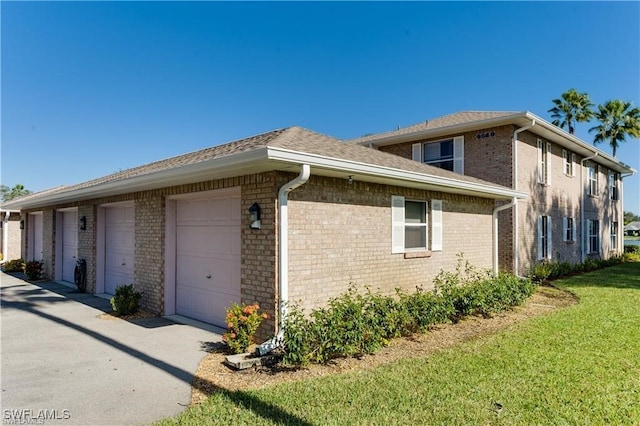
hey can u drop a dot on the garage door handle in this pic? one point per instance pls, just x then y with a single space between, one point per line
123 263
209 276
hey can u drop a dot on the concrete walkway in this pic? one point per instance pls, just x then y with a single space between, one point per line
64 364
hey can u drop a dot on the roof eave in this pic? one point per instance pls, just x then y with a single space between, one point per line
328 166
215 168
551 131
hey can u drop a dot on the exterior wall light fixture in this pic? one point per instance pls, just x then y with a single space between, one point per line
22 224
254 216
83 223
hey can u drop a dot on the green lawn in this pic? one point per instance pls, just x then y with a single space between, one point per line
580 365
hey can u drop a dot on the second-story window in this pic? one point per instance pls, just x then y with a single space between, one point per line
447 154
544 163
569 162
613 186
592 187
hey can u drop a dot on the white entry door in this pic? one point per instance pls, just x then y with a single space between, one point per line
69 244
208 256
35 237
119 247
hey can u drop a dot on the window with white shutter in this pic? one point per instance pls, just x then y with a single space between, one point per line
410 225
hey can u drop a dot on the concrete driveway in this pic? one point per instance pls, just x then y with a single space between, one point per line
63 364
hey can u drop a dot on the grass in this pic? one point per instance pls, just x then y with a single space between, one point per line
580 365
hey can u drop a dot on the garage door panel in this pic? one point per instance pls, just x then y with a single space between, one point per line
208 240
69 244
119 247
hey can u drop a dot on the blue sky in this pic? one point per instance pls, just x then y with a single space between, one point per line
92 88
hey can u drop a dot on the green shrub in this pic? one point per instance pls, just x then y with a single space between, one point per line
126 300
424 309
354 324
242 323
33 269
632 248
15 265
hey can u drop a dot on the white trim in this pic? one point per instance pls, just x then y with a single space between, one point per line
60 242
348 167
436 225
101 240
397 224
549 154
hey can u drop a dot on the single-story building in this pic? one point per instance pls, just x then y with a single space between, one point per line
286 215
10 235
632 229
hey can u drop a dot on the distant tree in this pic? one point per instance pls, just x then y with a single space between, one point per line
572 107
7 193
617 121
630 217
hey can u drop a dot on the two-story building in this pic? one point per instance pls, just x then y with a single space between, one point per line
574 208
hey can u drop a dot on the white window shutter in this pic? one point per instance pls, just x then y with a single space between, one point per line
573 231
416 152
549 238
540 168
458 154
565 228
397 224
436 225
574 165
539 234
548 164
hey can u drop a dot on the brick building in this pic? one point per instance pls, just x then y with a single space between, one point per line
286 215
574 208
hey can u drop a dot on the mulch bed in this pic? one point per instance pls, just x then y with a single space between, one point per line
213 375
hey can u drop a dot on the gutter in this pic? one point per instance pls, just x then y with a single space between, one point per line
582 233
514 184
283 256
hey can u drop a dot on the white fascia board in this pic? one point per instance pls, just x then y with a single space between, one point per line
203 170
349 167
578 145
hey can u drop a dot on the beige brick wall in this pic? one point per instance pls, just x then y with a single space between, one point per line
490 158
11 229
341 234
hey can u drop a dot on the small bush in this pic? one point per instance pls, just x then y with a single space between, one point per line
354 324
15 265
242 324
126 301
33 269
632 249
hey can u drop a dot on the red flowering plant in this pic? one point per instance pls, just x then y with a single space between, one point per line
242 323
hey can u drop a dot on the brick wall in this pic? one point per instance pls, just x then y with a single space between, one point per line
148 272
490 158
11 229
340 234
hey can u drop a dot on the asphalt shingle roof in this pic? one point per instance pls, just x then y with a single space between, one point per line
294 138
462 117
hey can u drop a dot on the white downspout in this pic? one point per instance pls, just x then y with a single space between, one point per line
514 184
582 230
495 232
283 256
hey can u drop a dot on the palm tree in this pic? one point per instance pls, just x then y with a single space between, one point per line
617 121
573 107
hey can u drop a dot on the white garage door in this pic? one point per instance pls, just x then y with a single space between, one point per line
69 244
207 257
119 247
